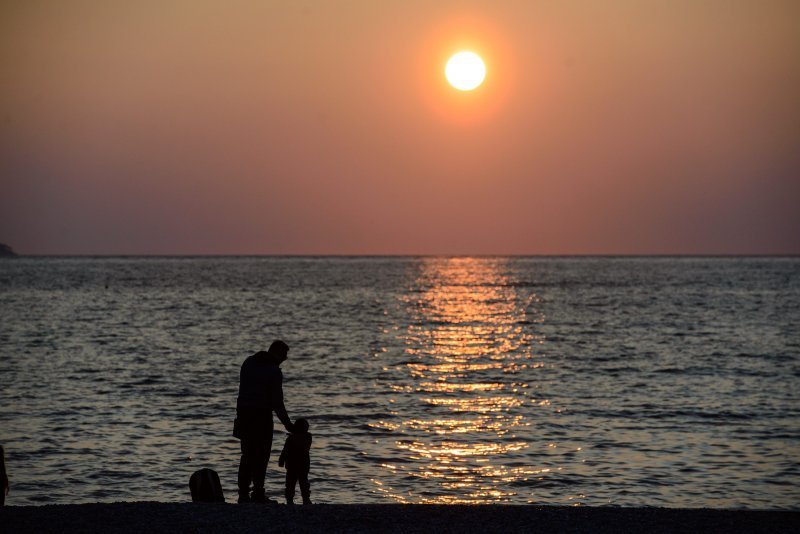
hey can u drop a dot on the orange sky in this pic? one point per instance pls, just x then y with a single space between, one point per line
274 127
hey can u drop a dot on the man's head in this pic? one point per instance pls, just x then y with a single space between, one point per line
279 351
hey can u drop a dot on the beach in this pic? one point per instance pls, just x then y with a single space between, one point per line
197 517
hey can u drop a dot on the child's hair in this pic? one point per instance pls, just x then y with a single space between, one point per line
300 425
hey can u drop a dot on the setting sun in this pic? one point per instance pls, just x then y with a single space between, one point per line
465 71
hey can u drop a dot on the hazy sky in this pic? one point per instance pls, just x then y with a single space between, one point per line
327 127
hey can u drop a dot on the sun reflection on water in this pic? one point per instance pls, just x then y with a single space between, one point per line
467 357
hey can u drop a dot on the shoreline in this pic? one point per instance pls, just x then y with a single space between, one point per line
224 517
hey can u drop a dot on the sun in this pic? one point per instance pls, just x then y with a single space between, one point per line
465 71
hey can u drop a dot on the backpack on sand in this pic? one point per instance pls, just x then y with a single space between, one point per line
205 486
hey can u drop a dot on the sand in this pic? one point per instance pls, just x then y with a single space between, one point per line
190 517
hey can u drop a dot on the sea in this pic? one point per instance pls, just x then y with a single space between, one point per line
585 381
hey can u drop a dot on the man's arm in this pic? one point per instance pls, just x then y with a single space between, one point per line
277 402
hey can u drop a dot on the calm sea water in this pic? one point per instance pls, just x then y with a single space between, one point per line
595 381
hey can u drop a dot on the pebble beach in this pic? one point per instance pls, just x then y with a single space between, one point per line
196 517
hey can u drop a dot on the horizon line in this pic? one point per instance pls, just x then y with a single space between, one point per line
416 255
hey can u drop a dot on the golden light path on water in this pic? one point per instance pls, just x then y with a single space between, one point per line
469 355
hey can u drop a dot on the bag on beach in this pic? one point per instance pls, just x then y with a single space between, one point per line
205 486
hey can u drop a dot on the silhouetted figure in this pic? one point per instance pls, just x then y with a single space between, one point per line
260 393
3 476
296 456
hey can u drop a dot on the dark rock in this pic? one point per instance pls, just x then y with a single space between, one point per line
6 251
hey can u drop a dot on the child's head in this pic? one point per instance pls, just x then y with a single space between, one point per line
300 425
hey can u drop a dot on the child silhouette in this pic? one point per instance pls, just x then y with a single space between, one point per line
295 455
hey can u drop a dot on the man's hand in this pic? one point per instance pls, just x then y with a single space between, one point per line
289 427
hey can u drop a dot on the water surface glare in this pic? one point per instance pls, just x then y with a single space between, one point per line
595 381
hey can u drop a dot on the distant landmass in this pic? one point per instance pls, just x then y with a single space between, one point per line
6 251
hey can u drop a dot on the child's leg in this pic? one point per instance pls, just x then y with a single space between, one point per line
305 487
291 481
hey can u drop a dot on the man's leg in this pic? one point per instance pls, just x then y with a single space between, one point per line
258 469
246 469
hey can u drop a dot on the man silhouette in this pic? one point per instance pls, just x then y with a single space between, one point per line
260 393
